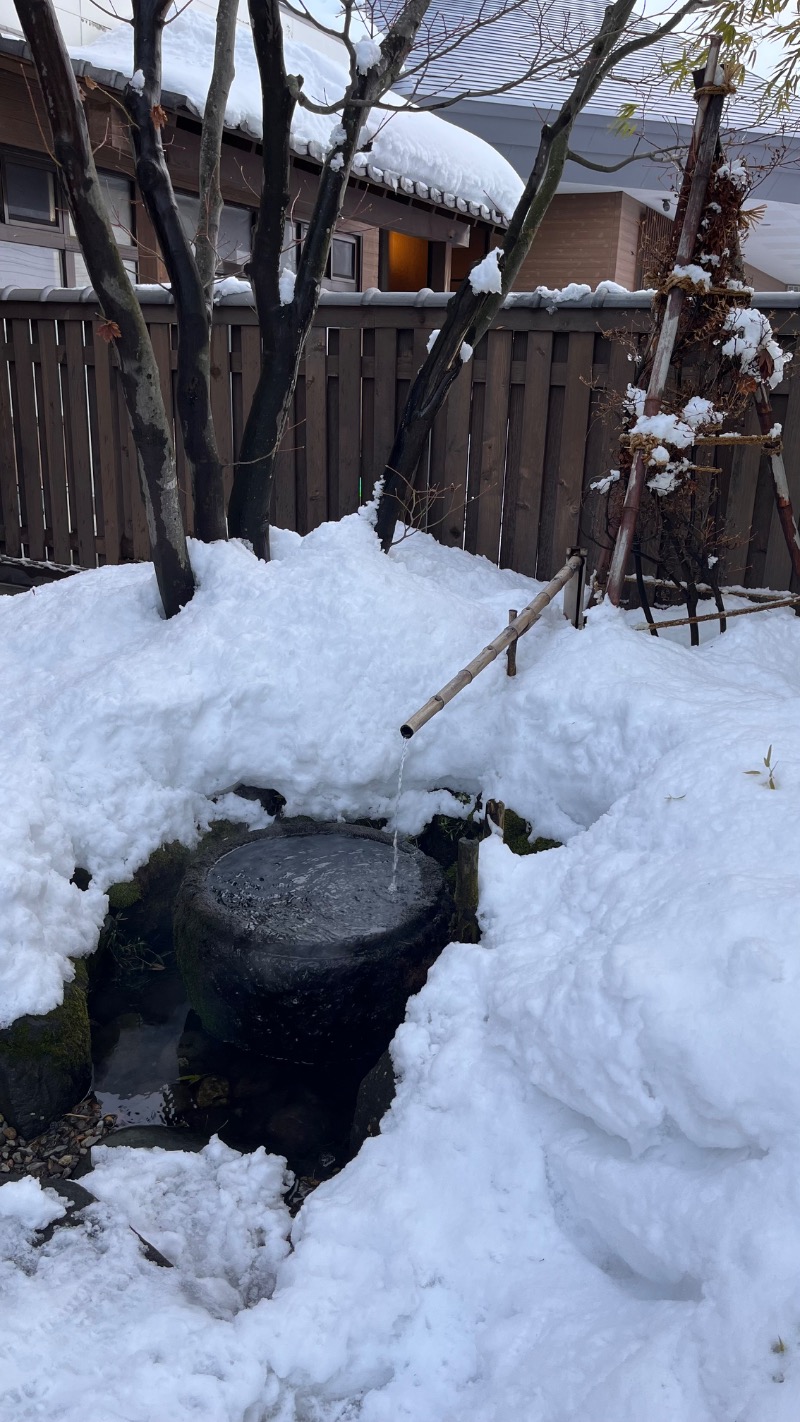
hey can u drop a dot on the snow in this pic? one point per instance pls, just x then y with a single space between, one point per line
695 274
753 345
368 54
418 145
736 172
137 81
584 1202
27 1205
486 275
286 283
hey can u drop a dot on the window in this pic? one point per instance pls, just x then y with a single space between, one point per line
235 241
30 194
343 268
38 246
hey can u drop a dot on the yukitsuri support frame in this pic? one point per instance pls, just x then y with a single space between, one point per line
528 426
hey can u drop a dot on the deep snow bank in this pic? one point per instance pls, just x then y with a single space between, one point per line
584 1205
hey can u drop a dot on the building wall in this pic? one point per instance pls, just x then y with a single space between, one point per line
584 237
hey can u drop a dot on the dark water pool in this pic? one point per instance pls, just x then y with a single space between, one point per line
155 1065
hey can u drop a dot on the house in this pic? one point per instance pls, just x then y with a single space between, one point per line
424 201
606 225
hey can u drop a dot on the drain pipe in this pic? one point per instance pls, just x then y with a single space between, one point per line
575 565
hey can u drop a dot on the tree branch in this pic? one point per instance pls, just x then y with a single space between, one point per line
207 238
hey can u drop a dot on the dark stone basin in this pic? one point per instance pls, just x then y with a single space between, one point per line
298 942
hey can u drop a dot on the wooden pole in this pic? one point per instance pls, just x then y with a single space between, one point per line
511 650
703 149
511 633
465 929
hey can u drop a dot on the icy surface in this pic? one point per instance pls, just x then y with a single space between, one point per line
417 145
584 1202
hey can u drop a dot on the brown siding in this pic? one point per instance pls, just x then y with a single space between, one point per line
762 281
370 253
579 240
630 214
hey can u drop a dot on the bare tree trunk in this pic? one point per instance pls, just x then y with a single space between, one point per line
285 323
470 313
207 239
140 379
193 386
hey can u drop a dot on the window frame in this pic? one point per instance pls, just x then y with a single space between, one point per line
55 235
330 282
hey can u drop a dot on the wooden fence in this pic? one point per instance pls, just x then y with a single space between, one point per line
528 426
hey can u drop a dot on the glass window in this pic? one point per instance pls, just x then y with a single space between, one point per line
21 265
189 210
235 231
30 193
343 258
342 269
119 205
82 277
235 235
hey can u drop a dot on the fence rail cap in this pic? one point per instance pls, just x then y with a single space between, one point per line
153 294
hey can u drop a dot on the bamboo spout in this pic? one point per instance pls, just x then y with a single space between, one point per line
509 634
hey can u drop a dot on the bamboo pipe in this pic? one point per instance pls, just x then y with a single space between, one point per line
715 616
509 634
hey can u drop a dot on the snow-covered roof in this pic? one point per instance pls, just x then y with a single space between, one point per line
408 151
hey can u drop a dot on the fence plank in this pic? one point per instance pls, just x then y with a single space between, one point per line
221 412
569 490
741 502
493 446
81 463
475 449
107 450
593 531
28 444
526 443
316 429
452 479
139 533
52 416
367 415
12 543
349 421
418 353
778 566
385 396
285 497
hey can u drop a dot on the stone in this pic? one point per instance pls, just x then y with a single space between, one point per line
375 1095
292 943
212 1091
157 1137
46 1062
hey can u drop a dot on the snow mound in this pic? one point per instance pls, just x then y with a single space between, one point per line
584 1202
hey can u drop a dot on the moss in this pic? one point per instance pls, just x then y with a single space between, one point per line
517 835
61 1036
123 896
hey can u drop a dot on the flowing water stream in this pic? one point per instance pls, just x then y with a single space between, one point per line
396 837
